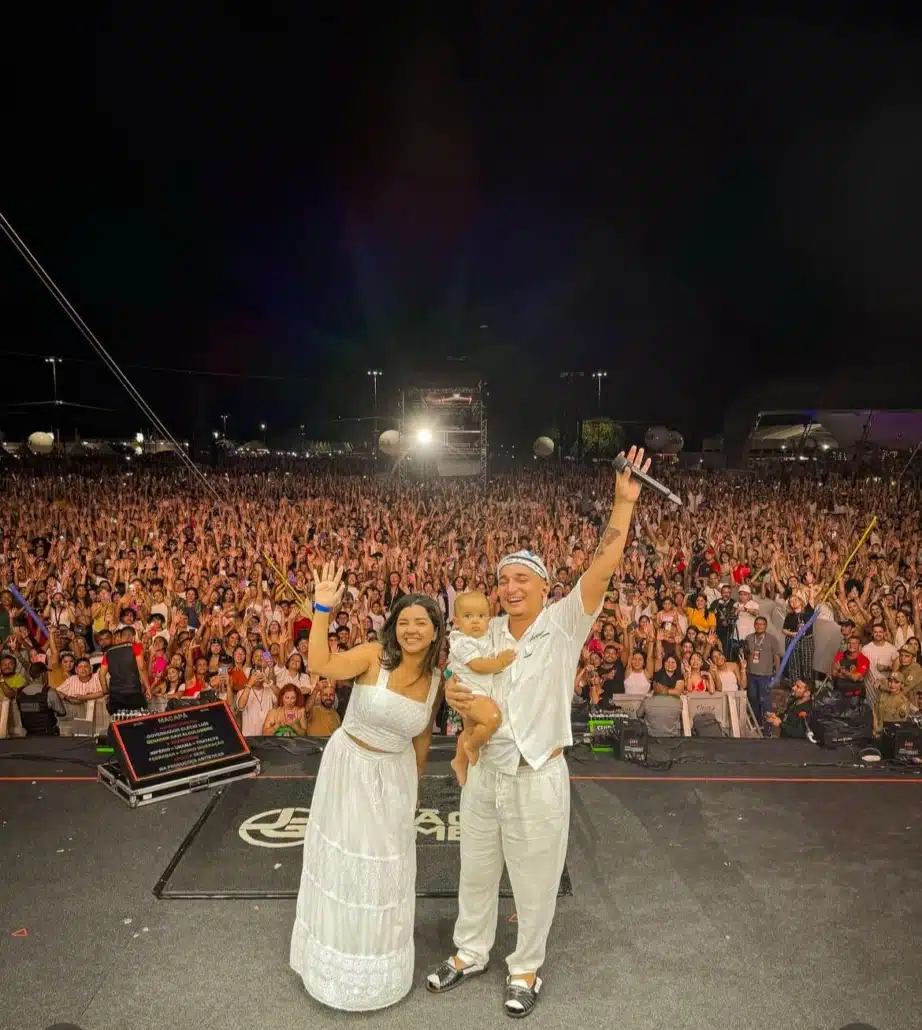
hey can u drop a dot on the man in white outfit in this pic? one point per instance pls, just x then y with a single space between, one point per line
515 807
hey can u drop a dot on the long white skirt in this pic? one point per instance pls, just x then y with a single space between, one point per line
352 942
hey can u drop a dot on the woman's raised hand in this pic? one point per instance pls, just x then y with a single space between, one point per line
328 585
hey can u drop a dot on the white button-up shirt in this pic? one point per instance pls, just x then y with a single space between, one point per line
534 694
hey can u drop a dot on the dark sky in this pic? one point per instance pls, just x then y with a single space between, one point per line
696 205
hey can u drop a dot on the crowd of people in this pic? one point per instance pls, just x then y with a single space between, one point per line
142 588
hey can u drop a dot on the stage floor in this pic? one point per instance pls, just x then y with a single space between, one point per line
751 885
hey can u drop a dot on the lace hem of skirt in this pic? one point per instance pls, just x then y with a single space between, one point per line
355 983
357 881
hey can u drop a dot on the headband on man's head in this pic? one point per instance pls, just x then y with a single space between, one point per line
527 558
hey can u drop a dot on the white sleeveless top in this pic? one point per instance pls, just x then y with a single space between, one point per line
385 720
636 683
727 680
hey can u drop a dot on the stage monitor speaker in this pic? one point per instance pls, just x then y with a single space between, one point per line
901 742
631 742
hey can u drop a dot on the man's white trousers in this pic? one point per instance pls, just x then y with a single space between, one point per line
524 819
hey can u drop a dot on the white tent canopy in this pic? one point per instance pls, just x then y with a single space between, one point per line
894 430
841 429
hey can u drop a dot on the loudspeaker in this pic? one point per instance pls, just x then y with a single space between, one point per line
630 743
901 742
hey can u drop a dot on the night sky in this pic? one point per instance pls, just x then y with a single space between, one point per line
696 205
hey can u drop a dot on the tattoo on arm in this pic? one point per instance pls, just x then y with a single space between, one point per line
610 535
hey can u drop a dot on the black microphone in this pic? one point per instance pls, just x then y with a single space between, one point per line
621 463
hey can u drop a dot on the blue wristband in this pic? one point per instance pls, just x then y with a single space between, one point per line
322 608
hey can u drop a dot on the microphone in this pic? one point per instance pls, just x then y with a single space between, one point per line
621 463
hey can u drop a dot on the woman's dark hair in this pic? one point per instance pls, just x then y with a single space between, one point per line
301 667
391 653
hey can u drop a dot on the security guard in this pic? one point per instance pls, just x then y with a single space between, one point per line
911 672
39 705
892 705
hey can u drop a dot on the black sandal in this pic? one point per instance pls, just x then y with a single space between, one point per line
449 976
520 1000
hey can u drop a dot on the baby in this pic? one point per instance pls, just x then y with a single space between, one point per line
470 660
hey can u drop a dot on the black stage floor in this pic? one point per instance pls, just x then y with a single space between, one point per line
750 885
257 827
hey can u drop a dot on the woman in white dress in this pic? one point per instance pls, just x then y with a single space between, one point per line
352 942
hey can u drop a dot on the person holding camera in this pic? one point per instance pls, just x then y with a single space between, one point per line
258 697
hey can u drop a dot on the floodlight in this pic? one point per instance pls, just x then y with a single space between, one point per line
424 436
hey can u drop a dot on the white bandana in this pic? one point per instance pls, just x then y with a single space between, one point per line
527 558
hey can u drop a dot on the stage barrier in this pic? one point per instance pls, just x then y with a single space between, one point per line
731 710
83 719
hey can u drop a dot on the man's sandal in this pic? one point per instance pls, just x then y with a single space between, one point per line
520 998
447 976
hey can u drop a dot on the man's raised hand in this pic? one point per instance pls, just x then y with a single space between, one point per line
627 488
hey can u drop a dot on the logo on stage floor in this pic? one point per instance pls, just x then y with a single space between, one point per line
285 827
277 828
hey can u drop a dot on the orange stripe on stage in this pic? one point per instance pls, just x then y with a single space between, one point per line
754 779
48 779
576 779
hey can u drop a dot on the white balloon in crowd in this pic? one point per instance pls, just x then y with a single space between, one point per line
389 442
675 443
663 441
41 443
543 447
656 438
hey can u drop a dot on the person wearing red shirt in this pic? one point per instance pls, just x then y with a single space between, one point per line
740 573
849 667
301 626
199 681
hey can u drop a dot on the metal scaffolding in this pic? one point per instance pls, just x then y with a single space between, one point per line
443 432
